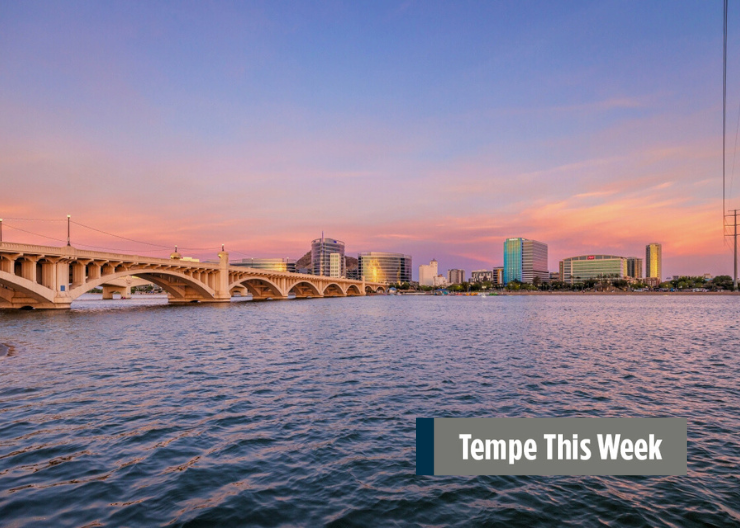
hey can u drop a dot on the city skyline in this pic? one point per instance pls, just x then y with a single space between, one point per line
423 129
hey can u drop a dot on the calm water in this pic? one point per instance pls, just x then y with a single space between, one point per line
303 412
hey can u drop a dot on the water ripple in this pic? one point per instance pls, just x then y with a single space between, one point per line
303 413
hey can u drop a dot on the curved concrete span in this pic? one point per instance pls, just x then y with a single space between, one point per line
49 277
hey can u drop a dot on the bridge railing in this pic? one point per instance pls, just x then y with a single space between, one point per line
72 252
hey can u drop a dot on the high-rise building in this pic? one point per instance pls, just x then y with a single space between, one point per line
525 259
455 276
592 267
654 261
384 267
634 267
274 264
322 261
427 273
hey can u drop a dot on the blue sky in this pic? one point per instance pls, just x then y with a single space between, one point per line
434 129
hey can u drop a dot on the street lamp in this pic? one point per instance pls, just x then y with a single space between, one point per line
69 217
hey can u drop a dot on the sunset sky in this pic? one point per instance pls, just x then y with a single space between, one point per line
435 129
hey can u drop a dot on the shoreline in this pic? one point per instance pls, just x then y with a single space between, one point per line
520 293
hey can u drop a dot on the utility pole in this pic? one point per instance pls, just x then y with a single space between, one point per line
733 214
724 143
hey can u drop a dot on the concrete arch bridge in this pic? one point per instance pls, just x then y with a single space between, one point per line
34 276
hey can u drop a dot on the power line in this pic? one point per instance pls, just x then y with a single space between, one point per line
115 249
77 245
35 219
118 236
32 233
724 109
734 153
138 241
161 247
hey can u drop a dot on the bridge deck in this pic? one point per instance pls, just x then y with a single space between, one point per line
52 277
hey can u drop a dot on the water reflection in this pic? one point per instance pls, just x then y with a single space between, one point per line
286 412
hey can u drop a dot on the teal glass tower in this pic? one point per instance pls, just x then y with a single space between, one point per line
512 260
525 259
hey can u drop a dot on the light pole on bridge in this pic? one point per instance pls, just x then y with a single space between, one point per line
69 219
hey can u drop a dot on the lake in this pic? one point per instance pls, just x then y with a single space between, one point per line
302 412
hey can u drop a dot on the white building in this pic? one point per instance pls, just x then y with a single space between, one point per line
427 273
440 281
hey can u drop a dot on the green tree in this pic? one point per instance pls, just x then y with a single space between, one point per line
620 283
723 282
514 285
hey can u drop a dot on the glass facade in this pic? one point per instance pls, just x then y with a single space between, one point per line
525 259
512 260
384 267
274 264
322 263
654 261
634 267
592 267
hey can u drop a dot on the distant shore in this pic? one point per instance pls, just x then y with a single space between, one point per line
619 293
526 293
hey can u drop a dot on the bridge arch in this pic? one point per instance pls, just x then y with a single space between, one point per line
352 290
259 287
35 292
304 288
333 290
178 290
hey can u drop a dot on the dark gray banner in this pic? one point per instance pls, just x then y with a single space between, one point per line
552 446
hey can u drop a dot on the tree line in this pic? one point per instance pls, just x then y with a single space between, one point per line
601 283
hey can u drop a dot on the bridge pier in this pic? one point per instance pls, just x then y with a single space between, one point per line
108 292
14 300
